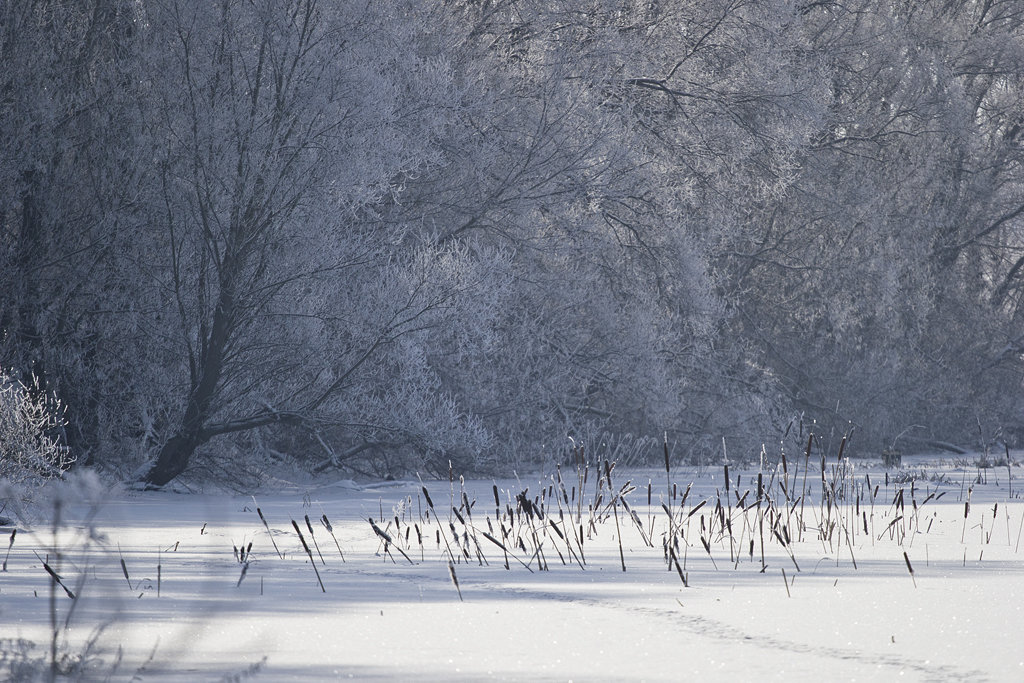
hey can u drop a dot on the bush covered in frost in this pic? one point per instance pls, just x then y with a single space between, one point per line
31 422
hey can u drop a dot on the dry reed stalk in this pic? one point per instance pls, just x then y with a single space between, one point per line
674 559
565 539
891 528
668 468
803 485
241 577
56 579
124 569
582 474
579 541
537 554
637 523
267 527
455 580
312 562
10 544
615 507
784 482
1009 474
849 544
505 549
481 558
686 494
707 544
440 533
330 529
906 558
377 530
1019 530
696 508
650 522
760 525
315 544
967 510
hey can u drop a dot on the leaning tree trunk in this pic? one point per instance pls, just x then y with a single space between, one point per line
177 452
172 461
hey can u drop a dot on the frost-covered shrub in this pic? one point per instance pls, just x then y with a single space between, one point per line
30 423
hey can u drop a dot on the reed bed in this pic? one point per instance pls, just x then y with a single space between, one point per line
777 514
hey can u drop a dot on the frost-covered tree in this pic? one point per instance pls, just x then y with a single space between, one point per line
277 131
408 233
715 109
608 154
67 181
867 286
532 262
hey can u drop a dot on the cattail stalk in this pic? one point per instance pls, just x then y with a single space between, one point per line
312 562
330 529
10 544
455 579
910 568
315 544
267 527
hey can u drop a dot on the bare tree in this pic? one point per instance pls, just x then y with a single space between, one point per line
867 287
276 126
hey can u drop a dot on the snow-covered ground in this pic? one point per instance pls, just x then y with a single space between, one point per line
828 601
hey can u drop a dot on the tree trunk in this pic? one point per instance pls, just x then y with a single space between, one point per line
177 452
172 461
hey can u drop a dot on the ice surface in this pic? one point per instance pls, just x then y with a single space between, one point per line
957 618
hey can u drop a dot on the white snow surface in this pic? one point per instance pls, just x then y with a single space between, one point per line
571 615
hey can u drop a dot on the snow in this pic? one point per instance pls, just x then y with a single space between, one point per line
381 617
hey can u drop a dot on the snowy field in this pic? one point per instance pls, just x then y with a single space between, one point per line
811 580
